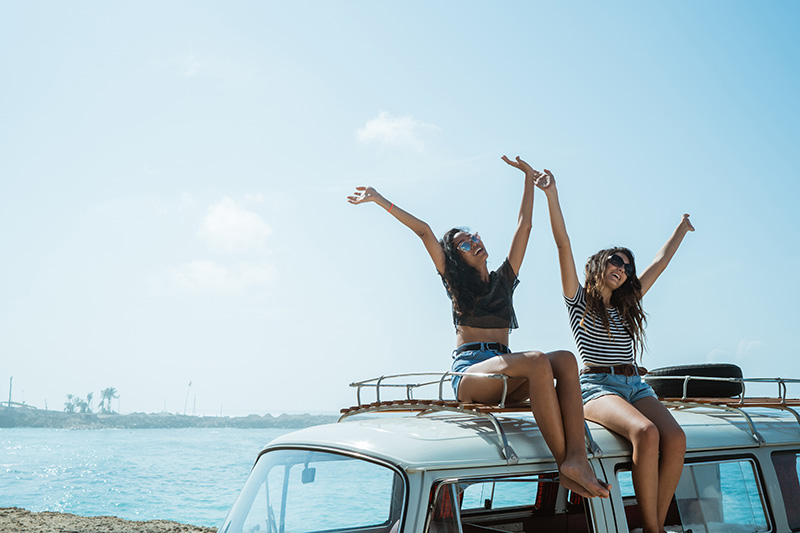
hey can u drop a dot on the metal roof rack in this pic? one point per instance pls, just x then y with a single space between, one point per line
383 384
739 403
441 404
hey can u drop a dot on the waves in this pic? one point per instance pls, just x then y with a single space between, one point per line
186 475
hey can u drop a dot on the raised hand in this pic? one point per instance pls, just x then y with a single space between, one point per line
545 180
686 224
523 166
363 195
664 255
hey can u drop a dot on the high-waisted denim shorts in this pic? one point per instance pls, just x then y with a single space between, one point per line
631 388
462 360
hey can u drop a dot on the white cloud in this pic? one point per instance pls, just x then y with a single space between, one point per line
396 131
253 198
187 64
746 349
235 72
230 228
207 275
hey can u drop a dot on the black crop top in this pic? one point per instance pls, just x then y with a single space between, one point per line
495 308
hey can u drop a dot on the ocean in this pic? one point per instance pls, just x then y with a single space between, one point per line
194 475
187 475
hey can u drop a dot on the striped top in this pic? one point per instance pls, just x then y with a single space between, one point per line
595 346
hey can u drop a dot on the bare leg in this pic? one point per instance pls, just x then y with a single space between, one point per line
618 415
536 369
672 447
568 389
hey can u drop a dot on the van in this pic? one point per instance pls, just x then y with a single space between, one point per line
402 465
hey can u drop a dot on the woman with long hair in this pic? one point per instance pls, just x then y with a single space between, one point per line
483 314
608 322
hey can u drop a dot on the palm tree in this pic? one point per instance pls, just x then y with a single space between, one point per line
82 405
107 395
69 405
89 397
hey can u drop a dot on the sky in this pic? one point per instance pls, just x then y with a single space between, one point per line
173 183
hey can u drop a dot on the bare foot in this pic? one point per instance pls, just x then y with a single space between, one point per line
580 472
569 484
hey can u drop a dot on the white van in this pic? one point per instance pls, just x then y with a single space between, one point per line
436 465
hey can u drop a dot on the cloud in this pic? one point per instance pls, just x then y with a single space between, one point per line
186 64
240 73
207 275
406 132
746 349
228 227
239 236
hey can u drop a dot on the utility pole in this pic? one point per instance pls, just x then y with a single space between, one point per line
10 382
186 402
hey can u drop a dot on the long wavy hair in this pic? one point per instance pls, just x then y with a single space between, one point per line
627 298
463 282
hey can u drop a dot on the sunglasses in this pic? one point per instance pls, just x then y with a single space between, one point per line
617 261
466 246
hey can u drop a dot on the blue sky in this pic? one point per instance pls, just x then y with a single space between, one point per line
173 182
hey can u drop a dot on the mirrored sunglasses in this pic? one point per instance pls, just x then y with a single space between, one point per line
466 246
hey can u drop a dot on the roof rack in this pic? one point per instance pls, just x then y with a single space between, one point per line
381 385
441 404
739 403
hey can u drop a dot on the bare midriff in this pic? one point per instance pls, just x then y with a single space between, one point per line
468 334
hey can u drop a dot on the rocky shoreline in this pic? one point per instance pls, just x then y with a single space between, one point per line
16 519
28 417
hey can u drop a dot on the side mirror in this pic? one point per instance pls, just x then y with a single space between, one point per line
308 475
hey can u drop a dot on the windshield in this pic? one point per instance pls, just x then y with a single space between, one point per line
303 491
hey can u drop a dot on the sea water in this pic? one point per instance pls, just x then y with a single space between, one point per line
187 475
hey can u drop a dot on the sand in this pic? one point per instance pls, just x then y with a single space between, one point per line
13 519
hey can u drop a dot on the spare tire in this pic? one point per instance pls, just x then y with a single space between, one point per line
666 385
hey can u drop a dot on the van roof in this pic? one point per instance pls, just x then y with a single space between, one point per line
448 440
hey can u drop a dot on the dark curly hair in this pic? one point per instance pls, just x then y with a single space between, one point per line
463 283
627 298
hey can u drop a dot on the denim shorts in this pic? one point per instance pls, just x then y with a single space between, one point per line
463 360
631 388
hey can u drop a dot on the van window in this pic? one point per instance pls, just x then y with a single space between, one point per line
497 494
721 497
786 466
287 486
521 503
714 497
632 515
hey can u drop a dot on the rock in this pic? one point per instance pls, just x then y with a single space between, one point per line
16 519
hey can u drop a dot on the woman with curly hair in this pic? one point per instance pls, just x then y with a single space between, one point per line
483 314
608 322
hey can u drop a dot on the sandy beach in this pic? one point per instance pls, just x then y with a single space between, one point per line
13 519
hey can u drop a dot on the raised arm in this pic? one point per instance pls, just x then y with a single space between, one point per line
566 262
525 219
423 230
664 255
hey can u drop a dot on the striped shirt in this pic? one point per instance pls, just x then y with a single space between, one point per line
595 345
